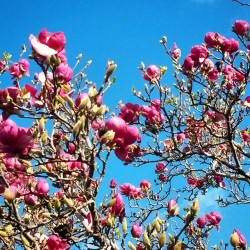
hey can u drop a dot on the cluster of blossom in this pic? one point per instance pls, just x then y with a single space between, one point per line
133 192
211 219
202 182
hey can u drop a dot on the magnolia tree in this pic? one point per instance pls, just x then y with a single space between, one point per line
193 134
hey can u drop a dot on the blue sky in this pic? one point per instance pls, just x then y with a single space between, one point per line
127 32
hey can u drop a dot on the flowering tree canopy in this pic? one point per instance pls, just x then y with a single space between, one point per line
195 131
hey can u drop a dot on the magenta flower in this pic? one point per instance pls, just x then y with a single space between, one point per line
136 230
213 218
47 43
238 240
152 73
64 72
176 53
188 63
241 27
56 243
160 168
130 191
118 208
10 133
201 222
145 185
129 112
30 200
112 183
172 207
198 53
42 188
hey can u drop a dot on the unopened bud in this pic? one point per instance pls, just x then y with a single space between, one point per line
25 241
178 245
41 125
57 204
68 201
195 207
111 203
131 246
10 194
145 239
3 233
69 101
124 226
92 92
149 228
156 225
162 239
77 128
108 136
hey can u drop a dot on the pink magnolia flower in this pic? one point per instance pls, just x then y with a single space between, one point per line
241 27
82 98
118 208
125 189
162 178
201 222
2 65
213 218
47 43
172 207
56 243
219 181
12 163
152 73
136 230
9 133
42 188
30 200
245 136
213 40
238 240
176 53
160 168
198 53
124 135
181 137
71 148
188 64
130 191
213 75
20 69
112 183
129 112
64 72
145 185
230 46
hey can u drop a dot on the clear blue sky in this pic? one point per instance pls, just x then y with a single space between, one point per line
127 32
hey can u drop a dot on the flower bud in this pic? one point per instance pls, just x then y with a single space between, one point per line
25 241
173 208
111 203
10 193
178 246
237 240
92 92
124 226
145 239
195 207
41 125
156 225
162 239
131 246
136 230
